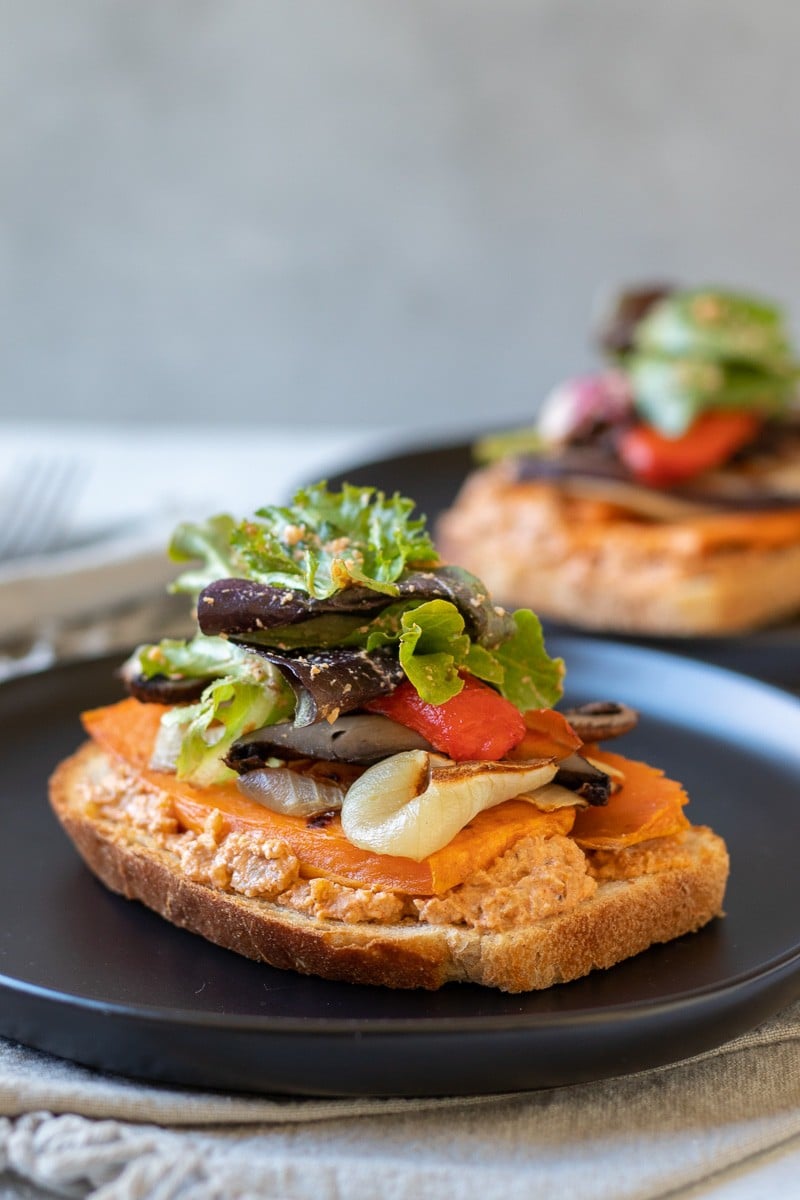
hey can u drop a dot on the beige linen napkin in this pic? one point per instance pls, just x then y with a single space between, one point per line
724 1122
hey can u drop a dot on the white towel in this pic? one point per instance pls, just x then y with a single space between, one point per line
724 1123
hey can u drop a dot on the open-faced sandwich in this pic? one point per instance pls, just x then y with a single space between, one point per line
661 496
355 770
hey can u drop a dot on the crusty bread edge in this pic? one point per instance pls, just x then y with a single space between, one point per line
621 919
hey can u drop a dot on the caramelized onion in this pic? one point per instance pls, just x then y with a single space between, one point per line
290 792
414 803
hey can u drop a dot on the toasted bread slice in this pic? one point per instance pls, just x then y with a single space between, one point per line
623 916
599 567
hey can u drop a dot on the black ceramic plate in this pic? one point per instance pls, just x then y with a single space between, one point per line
433 475
95 978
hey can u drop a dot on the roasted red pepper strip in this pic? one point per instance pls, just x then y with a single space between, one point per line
476 724
708 443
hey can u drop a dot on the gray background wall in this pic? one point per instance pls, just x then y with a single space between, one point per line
396 213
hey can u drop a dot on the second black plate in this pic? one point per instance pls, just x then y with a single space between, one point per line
92 977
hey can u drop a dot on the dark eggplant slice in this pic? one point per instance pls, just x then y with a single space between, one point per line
723 491
160 689
363 738
617 327
588 461
239 606
329 682
242 606
586 780
601 720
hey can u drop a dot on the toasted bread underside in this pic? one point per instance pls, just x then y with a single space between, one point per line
618 576
621 919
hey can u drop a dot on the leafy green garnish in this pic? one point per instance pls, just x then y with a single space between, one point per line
209 544
322 542
227 709
531 678
325 541
671 394
713 325
433 648
244 692
201 658
695 351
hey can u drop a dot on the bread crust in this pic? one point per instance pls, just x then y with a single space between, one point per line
533 548
623 917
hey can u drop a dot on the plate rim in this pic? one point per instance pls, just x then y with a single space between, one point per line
418 1026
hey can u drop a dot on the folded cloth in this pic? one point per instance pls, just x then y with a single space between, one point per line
725 1123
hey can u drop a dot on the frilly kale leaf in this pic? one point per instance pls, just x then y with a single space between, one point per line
320 543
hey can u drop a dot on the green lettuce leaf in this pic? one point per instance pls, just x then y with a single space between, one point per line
209 544
531 678
712 325
202 657
322 542
432 647
227 709
325 541
672 393
485 664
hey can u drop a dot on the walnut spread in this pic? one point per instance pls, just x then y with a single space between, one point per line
249 862
645 858
537 877
329 901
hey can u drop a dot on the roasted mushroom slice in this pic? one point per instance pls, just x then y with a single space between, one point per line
161 689
584 778
601 719
362 738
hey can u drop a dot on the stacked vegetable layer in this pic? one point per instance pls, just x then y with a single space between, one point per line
696 379
331 639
